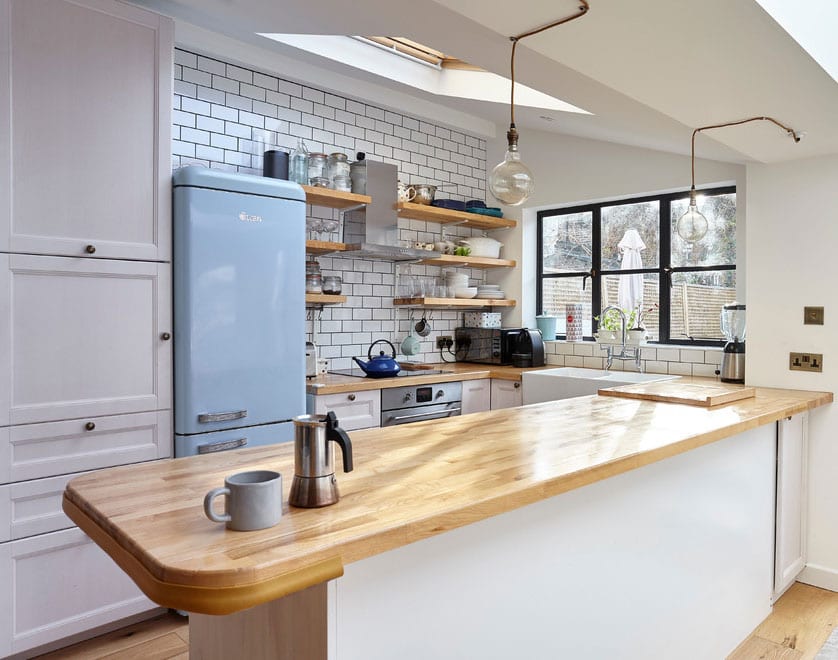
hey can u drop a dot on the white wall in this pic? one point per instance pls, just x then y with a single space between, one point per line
569 170
793 235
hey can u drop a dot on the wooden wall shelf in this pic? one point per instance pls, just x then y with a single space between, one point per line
474 262
324 247
324 299
334 198
472 303
447 216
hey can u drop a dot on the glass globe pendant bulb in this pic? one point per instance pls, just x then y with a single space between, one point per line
692 226
511 182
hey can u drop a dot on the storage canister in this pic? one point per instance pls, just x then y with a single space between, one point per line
573 318
317 166
547 325
337 165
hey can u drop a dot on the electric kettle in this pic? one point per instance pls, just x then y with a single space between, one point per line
314 483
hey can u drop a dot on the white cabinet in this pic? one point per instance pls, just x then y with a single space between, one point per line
60 584
790 529
477 395
354 410
85 129
506 394
83 337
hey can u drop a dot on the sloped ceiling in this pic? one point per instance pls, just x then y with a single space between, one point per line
648 70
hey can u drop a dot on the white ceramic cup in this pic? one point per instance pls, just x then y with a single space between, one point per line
253 500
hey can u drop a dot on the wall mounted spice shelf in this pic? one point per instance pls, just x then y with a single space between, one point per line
473 303
335 199
447 216
324 299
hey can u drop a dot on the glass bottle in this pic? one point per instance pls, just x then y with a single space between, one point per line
298 167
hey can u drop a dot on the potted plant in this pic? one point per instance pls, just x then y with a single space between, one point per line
637 332
609 326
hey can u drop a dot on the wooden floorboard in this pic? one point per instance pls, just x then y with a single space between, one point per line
797 628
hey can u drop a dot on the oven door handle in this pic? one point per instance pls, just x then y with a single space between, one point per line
447 412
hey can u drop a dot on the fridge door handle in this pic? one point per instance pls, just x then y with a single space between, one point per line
222 445
206 418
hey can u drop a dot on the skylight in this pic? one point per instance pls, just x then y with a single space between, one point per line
422 68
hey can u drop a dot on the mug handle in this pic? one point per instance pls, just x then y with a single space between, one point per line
411 193
210 496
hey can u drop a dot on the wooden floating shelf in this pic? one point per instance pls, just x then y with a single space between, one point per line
324 247
447 216
474 262
324 299
473 303
335 199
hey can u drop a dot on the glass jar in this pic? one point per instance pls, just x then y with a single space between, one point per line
314 283
342 183
312 267
337 165
332 284
316 166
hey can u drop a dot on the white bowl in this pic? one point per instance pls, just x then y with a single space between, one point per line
466 292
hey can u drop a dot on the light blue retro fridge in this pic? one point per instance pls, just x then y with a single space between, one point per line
239 310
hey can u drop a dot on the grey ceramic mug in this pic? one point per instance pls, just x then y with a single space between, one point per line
253 500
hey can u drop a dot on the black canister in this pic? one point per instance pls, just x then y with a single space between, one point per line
275 164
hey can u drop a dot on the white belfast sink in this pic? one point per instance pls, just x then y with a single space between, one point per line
568 382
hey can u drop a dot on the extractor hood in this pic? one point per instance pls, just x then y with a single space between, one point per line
373 231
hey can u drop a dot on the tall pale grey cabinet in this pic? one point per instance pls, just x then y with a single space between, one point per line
85 294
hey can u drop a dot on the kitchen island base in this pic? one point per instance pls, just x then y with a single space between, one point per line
670 560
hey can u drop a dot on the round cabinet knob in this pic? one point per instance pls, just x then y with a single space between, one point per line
90 249
165 336
407 396
89 426
351 397
517 385
439 393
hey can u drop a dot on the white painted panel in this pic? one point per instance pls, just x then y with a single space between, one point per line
5 125
354 410
33 451
477 395
506 394
631 567
86 168
33 507
5 341
85 337
60 584
792 450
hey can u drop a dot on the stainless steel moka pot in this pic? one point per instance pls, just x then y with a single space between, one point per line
314 483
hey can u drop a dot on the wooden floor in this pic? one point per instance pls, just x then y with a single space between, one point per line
802 620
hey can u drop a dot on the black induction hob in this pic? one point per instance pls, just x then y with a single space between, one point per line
358 373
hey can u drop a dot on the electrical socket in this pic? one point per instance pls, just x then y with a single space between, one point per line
444 341
806 361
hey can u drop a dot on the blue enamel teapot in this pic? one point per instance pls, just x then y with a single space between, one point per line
380 366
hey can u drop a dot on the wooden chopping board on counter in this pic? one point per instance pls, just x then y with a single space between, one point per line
672 391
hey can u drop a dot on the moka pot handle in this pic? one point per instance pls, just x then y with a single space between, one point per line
336 434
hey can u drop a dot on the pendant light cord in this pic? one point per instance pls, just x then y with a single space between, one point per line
583 9
795 135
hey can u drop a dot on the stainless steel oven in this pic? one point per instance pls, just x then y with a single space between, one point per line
417 403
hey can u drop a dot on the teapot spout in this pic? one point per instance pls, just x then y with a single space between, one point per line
362 364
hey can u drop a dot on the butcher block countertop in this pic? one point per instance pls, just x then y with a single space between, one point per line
338 384
410 482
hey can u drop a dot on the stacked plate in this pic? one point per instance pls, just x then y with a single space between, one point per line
490 292
455 280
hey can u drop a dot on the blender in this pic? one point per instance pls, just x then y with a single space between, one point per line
733 328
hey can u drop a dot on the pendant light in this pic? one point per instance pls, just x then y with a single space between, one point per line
511 182
692 226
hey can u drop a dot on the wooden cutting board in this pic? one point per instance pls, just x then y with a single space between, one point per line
689 393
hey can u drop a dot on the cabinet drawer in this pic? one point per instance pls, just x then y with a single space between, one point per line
477 395
354 410
34 451
83 337
33 507
57 585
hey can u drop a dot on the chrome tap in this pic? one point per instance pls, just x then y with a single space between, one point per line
626 352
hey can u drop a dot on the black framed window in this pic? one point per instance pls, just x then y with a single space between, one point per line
627 253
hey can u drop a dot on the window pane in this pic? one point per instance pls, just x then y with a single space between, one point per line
566 243
644 218
718 247
647 305
558 292
697 300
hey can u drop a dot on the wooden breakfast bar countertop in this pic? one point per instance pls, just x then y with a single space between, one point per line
410 482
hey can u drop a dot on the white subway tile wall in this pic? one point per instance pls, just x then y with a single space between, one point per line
655 360
223 114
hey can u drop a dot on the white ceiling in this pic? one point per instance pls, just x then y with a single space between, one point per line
649 70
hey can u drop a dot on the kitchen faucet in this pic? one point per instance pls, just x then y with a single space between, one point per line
626 352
